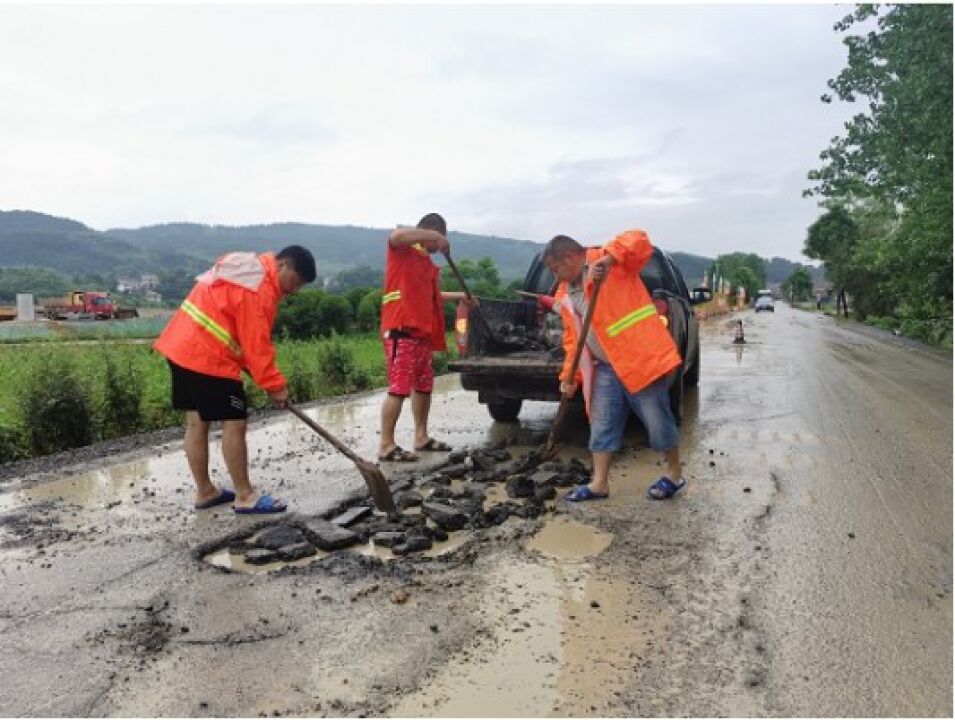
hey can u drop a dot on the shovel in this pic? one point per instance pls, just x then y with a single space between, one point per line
467 293
373 477
550 449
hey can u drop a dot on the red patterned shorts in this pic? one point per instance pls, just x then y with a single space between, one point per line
409 365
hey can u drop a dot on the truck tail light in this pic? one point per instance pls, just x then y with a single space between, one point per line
461 329
661 306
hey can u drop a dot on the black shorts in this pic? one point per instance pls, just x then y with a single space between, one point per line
214 398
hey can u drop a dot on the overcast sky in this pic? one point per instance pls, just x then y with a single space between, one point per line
696 123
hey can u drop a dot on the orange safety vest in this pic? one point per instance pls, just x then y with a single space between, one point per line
625 321
225 324
411 299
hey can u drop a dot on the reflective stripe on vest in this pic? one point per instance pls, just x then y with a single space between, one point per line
210 326
391 297
631 319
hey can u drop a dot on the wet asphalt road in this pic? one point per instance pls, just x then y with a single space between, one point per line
807 569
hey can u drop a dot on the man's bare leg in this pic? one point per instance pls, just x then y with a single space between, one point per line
390 411
420 408
236 456
601 480
673 464
197 453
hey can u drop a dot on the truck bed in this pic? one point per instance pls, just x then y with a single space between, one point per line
498 375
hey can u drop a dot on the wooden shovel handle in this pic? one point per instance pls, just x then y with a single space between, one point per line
331 439
581 341
467 292
585 328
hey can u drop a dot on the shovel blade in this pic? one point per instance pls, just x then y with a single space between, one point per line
380 491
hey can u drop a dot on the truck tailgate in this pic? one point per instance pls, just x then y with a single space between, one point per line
519 363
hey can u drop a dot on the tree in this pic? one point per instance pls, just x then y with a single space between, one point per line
175 285
362 276
896 155
355 295
369 311
335 314
37 281
298 316
833 239
746 270
482 277
798 286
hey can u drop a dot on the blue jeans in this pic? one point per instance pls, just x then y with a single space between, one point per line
610 404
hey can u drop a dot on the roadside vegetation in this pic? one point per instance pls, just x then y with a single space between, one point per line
57 394
886 185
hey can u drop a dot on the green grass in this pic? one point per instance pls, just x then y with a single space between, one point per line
297 359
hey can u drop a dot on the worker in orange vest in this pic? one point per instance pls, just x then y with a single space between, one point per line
626 358
412 327
222 328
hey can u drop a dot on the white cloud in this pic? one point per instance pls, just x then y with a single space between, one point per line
700 121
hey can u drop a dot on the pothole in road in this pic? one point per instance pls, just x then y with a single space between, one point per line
558 642
563 538
439 513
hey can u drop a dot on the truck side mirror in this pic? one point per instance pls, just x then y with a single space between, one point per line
700 295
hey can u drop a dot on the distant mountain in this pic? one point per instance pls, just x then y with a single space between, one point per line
335 247
693 267
31 239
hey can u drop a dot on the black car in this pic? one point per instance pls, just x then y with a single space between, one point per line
503 380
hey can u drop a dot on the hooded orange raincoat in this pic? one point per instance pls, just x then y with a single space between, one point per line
625 321
225 325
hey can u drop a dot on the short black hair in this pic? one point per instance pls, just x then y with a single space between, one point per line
301 260
433 221
560 246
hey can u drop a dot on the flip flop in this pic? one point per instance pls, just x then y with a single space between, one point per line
583 493
398 454
263 506
666 487
434 446
225 496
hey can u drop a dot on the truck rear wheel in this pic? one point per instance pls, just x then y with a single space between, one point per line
676 397
692 377
505 410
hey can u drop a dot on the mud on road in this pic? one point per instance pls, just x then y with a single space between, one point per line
764 589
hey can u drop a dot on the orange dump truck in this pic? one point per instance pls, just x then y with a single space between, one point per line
85 305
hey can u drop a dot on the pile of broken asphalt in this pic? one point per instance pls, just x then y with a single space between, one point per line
451 498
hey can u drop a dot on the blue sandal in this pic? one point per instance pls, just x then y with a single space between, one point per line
583 493
666 487
225 496
263 506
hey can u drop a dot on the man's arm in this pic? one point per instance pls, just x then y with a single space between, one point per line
454 296
568 384
258 352
432 240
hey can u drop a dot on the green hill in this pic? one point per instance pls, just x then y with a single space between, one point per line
68 247
335 247
29 239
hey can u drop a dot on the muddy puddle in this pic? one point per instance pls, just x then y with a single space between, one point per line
563 538
106 488
557 643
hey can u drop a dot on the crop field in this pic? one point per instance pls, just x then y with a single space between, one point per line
55 395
